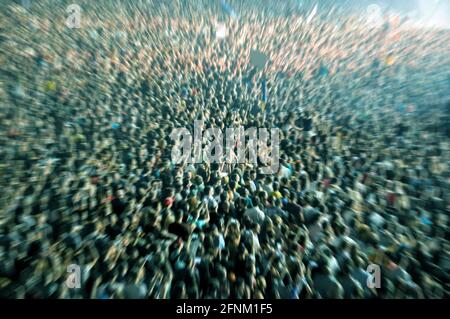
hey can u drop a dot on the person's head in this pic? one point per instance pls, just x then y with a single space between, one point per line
179 215
258 294
179 290
256 202
225 207
168 202
405 260
213 206
120 194
240 287
263 196
218 191
346 266
222 273
323 265
233 185
214 288
276 186
241 203
198 180
209 191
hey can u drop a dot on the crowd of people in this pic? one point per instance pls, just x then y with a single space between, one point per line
87 177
